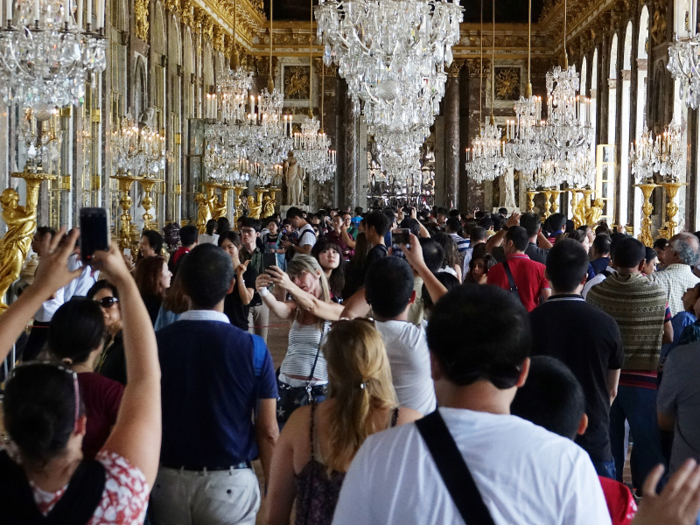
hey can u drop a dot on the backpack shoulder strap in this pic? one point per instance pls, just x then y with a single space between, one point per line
76 506
453 470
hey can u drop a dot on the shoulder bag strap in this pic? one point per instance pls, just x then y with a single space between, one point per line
453 470
511 280
313 368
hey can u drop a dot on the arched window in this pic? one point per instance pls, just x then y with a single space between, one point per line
624 143
594 100
642 76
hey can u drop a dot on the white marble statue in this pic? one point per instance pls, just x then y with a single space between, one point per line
294 177
507 188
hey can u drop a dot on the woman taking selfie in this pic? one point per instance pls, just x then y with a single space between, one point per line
319 442
311 310
42 470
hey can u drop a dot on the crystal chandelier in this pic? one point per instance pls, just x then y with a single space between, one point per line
399 156
392 54
524 146
683 65
567 134
46 54
663 155
312 146
269 137
137 150
487 158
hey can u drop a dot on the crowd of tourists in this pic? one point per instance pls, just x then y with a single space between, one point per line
440 368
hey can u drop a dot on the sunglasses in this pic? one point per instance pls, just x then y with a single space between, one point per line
74 377
108 302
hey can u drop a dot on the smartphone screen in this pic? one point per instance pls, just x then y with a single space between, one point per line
94 234
269 259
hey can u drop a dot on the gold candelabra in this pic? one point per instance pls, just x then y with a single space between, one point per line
647 208
147 202
21 225
237 203
125 181
555 199
547 205
531 200
669 229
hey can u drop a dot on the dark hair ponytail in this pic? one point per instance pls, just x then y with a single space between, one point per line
39 409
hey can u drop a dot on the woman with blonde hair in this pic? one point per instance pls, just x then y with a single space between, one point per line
319 442
302 376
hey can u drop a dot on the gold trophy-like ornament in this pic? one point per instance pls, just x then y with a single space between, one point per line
147 202
21 225
125 181
237 202
647 208
531 200
671 187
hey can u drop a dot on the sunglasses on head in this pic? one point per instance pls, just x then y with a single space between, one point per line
108 302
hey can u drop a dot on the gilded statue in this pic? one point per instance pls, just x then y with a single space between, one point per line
268 206
294 177
21 224
203 211
219 207
579 215
595 212
142 25
254 208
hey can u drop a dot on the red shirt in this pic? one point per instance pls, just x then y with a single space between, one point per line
621 504
528 276
180 252
102 398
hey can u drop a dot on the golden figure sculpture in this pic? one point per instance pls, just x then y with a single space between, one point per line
296 83
237 202
595 212
21 224
268 206
203 211
579 207
217 206
669 228
647 209
254 208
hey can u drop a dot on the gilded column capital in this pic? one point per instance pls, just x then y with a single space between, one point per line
187 15
219 37
659 9
141 15
208 27
173 6
454 68
199 16
472 65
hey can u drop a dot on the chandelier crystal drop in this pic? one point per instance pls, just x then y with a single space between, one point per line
684 66
137 150
46 55
270 133
392 54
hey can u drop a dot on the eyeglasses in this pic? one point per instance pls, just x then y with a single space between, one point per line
108 302
247 231
74 376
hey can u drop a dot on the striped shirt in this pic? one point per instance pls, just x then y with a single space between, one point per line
639 307
304 342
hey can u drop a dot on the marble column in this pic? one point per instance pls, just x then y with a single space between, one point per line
451 193
475 195
350 184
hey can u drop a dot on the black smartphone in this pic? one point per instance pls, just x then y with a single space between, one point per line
401 236
269 259
94 234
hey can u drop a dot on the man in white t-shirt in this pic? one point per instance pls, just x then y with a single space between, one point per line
524 474
389 291
306 237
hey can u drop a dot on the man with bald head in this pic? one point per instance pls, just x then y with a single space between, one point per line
681 255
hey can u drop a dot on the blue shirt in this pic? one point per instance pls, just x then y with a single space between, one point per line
600 264
213 375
